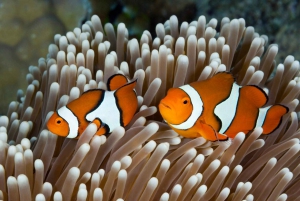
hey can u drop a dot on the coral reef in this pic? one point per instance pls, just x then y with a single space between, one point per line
27 28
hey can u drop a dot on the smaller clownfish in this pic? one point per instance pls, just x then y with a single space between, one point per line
107 109
218 108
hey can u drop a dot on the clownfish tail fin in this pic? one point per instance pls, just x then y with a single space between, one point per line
127 106
273 118
116 81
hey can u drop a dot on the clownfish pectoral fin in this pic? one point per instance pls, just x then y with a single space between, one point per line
209 133
273 118
116 81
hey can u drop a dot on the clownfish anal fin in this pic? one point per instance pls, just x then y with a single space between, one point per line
209 133
273 118
102 128
116 81
98 122
221 137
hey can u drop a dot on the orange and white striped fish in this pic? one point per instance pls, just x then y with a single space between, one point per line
218 108
107 109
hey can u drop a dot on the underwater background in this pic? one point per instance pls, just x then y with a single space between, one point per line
27 27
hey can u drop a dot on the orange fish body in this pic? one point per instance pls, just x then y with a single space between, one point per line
107 109
218 108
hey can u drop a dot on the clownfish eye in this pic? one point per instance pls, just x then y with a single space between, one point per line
185 101
58 121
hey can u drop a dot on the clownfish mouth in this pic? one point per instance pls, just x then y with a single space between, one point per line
165 105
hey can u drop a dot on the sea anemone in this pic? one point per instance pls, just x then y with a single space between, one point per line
147 160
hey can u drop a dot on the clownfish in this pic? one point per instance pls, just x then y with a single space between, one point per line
217 109
107 109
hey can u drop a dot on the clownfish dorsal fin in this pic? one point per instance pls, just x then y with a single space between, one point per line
254 95
221 82
116 81
127 87
224 76
214 90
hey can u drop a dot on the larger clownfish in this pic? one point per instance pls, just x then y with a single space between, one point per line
107 109
218 108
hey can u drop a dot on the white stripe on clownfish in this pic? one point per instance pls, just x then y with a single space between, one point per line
262 116
197 108
71 119
226 110
107 111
